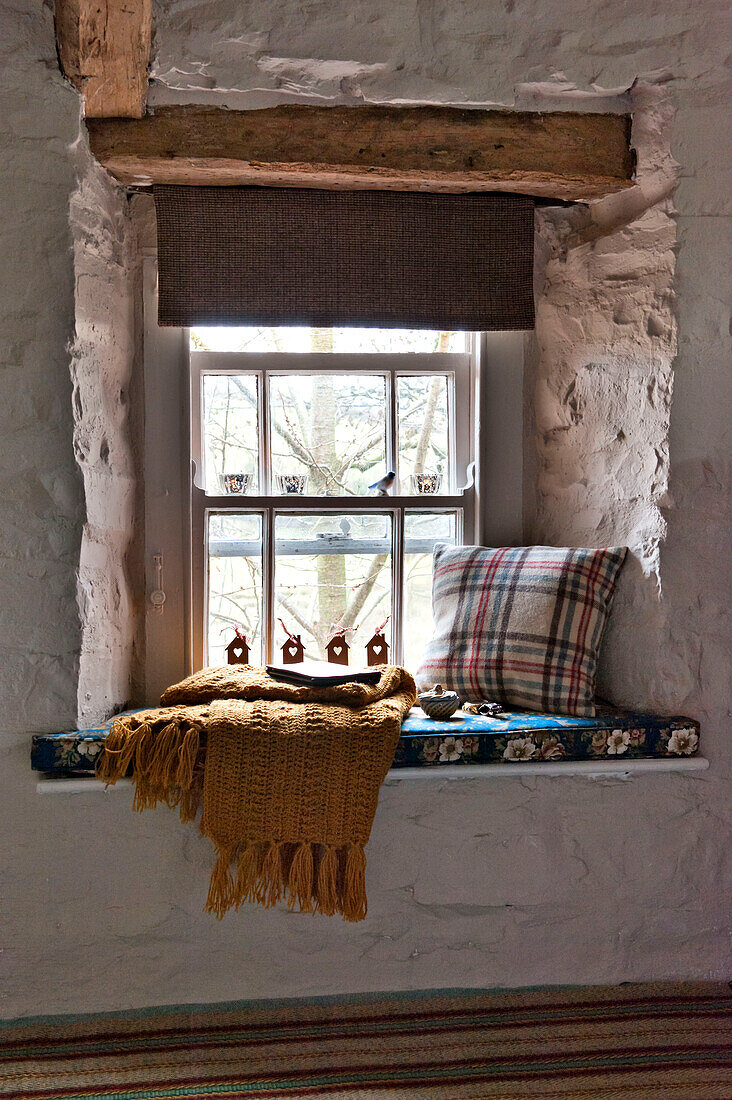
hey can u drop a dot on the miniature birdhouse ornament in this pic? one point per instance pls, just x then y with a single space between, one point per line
377 648
293 651
336 648
237 651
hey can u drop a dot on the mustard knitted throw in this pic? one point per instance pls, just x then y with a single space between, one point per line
288 777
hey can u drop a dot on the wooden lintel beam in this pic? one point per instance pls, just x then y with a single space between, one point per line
568 156
104 50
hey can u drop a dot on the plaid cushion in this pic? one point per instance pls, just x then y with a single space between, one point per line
520 625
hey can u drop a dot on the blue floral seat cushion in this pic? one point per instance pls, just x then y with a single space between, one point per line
462 739
526 735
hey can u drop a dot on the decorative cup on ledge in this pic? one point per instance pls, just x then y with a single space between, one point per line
439 703
236 484
425 484
292 485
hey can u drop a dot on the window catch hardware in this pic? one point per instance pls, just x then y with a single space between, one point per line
157 596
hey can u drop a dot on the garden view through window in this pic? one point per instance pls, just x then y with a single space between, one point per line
292 432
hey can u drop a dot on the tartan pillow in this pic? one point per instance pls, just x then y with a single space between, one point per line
520 625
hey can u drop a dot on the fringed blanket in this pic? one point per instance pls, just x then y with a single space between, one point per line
288 778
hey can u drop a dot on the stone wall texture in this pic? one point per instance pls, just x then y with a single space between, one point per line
522 881
107 403
68 467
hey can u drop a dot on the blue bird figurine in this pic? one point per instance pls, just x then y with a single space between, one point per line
384 484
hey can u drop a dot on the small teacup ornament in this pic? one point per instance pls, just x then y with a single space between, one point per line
426 484
439 703
292 485
236 483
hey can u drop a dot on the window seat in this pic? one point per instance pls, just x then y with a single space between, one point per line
524 740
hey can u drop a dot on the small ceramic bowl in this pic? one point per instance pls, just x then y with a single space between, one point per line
439 703
292 484
236 483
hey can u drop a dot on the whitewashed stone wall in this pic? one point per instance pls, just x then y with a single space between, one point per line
107 403
600 372
479 883
41 497
67 476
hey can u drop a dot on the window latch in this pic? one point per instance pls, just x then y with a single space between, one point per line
157 596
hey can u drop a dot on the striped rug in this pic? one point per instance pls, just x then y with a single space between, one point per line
644 1042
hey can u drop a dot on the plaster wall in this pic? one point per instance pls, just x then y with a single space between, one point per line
475 883
107 404
67 455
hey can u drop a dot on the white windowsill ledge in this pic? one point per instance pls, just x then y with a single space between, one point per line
613 769
588 768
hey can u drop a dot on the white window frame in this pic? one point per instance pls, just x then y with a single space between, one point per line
459 368
496 439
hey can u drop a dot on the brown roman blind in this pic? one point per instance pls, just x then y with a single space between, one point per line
384 259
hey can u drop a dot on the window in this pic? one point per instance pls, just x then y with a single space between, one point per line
289 429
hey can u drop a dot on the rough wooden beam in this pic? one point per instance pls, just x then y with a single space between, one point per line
558 155
104 50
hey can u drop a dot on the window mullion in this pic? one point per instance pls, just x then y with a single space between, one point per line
268 581
265 426
268 554
397 582
397 542
392 441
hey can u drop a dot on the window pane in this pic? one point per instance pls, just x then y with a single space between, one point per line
328 432
327 339
421 531
331 571
234 582
423 419
230 433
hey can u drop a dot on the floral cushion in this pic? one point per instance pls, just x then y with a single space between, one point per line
520 737
463 739
520 625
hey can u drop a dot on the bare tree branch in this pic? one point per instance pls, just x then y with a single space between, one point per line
292 442
358 602
427 425
299 619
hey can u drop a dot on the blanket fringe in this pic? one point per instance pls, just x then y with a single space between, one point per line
270 884
165 766
187 758
119 751
263 876
160 771
327 895
248 873
190 798
221 888
300 883
354 888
